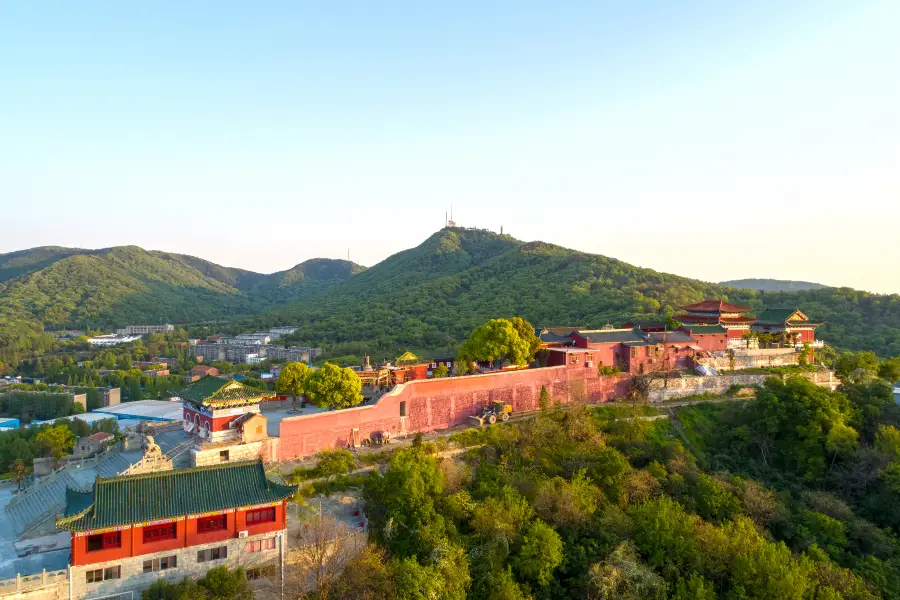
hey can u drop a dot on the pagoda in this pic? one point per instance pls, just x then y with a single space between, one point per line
131 530
224 416
717 312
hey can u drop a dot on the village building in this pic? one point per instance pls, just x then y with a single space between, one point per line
631 350
216 413
131 530
791 323
710 338
717 312
555 337
92 444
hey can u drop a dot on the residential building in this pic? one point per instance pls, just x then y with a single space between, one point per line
145 329
111 339
92 444
710 338
204 370
277 332
129 531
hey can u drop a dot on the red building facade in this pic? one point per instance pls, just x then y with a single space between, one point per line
129 528
717 312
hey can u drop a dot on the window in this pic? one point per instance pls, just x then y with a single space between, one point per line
259 429
160 564
259 572
403 408
104 541
223 455
260 545
95 576
159 533
214 523
212 554
261 515
112 573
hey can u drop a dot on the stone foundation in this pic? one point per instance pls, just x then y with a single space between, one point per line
691 385
208 454
749 359
134 579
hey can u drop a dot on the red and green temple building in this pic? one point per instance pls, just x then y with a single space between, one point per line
731 317
129 531
797 328
225 419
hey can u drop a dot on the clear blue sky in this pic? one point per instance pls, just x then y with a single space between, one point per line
710 139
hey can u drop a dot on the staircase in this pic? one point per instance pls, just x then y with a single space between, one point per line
43 500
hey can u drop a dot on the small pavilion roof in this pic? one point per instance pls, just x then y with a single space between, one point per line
221 391
785 316
715 306
128 499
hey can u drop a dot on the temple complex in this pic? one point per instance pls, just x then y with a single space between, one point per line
716 312
132 530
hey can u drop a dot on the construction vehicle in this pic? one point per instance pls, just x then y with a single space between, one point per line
493 412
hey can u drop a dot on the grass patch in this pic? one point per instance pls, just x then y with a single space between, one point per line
341 483
614 412
695 424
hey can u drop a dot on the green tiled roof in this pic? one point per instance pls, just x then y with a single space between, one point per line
167 494
706 329
220 390
775 316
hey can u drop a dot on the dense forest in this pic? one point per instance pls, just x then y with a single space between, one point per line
425 299
790 496
52 288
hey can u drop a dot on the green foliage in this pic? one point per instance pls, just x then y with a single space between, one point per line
219 583
57 440
37 406
334 462
622 576
540 553
292 379
501 339
331 386
440 371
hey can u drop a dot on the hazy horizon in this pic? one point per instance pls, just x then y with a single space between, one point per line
712 141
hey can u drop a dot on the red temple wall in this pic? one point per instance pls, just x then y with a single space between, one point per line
443 403
186 535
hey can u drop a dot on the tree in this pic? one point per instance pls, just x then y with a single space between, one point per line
622 576
57 440
498 339
402 504
440 371
221 583
17 468
367 577
333 387
856 366
544 399
541 552
292 380
334 462
324 547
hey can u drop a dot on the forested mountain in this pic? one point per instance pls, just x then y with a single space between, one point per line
772 285
430 297
50 288
425 299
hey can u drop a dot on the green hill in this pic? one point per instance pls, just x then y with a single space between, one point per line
50 288
772 285
429 298
425 299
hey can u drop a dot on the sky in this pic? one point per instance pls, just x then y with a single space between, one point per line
716 140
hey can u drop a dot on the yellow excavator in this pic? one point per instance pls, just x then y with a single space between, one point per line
493 412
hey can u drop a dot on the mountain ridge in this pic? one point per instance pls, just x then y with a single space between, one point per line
425 298
772 285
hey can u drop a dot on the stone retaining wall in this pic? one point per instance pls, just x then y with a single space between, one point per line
749 359
692 385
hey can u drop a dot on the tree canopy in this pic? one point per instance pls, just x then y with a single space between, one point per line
331 386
